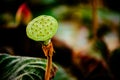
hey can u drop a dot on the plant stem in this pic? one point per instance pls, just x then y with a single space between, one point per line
48 51
48 67
95 17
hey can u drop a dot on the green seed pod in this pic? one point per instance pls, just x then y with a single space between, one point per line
42 28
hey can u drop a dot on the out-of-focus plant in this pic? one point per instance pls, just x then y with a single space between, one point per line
23 14
42 29
74 26
84 13
43 2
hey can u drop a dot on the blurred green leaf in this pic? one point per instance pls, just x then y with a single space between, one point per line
62 75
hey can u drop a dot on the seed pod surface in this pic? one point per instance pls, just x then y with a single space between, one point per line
42 28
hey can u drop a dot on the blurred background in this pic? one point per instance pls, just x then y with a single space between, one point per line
87 43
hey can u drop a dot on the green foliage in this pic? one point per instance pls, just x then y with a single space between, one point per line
62 75
22 68
28 68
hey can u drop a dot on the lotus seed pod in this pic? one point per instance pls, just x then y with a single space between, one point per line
42 28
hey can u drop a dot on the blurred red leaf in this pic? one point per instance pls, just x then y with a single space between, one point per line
23 14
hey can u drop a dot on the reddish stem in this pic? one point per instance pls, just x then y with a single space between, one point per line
48 51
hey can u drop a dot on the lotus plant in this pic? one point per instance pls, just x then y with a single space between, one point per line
42 29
